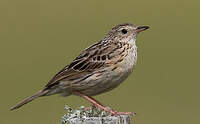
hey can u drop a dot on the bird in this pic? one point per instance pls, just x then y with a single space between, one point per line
98 69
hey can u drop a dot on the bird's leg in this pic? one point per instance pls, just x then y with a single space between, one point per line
92 100
101 106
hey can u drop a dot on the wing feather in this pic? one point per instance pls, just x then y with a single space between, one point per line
87 62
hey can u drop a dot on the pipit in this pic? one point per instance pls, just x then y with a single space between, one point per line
98 69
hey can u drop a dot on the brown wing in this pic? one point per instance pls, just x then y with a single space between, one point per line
95 57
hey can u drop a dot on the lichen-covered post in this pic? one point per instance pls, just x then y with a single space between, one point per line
92 115
121 119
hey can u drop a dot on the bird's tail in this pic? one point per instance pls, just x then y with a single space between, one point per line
29 99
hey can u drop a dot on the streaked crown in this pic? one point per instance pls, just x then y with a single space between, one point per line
125 32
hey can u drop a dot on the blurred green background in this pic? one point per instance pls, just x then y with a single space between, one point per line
39 37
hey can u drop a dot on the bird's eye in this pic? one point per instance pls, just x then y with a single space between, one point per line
124 31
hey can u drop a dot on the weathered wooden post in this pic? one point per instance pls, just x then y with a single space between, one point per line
121 119
92 116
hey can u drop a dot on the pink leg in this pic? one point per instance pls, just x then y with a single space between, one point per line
101 106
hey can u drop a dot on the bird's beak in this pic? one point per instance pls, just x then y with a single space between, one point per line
141 28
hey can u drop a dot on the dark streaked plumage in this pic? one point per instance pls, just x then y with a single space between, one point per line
99 68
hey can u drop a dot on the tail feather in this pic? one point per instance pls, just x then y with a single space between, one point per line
29 99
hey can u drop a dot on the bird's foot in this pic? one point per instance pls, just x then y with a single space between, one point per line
125 113
97 104
113 112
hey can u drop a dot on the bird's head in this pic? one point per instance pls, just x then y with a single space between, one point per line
126 32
